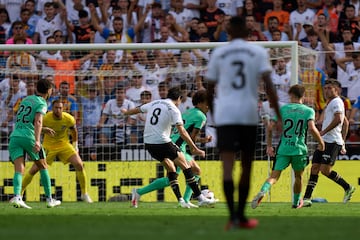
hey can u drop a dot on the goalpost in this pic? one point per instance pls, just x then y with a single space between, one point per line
116 166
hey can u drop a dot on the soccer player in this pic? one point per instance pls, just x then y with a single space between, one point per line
194 120
297 119
57 124
237 69
26 139
333 134
161 115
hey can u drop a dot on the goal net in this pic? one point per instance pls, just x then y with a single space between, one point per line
87 77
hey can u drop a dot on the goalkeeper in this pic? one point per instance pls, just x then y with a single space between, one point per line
56 126
194 120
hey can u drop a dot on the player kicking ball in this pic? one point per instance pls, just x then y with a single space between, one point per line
297 118
194 120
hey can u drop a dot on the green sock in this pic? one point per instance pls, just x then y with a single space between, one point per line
157 184
188 191
265 187
17 183
296 199
45 181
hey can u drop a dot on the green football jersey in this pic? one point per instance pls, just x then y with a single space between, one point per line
295 119
193 118
25 117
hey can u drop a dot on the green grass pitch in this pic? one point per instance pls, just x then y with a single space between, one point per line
116 220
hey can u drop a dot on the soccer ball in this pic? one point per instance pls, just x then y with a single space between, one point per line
209 194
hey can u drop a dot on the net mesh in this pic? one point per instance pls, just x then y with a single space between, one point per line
112 148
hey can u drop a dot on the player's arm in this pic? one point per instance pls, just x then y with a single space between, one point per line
195 136
336 121
316 134
131 111
37 130
184 135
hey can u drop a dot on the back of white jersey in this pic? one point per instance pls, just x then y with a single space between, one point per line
237 68
161 116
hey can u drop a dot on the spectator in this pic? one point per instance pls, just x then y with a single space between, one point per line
352 71
231 7
349 21
210 16
51 22
251 8
17 28
91 112
34 18
330 10
281 81
69 101
84 32
196 6
277 11
48 54
298 17
13 8
254 29
134 92
175 31
114 125
137 132
65 68
181 14
5 23
273 24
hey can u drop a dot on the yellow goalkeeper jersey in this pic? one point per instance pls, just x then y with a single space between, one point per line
61 128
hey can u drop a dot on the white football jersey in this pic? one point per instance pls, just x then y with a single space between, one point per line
237 68
161 115
336 105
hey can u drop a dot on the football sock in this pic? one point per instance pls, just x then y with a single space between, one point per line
45 181
174 184
188 191
311 185
157 184
17 183
191 181
26 181
339 180
265 187
81 177
243 194
296 199
229 195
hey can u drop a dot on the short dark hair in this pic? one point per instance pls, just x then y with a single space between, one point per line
43 86
332 81
174 93
297 90
199 97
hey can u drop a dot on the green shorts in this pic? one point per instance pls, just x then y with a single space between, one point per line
18 146
298 162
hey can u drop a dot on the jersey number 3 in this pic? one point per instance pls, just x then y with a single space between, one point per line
239 81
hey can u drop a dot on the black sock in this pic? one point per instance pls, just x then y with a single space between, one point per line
243 194
311 185
339 180
191 181
229 195
174 184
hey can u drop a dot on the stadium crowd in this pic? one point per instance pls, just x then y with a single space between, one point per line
107 81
